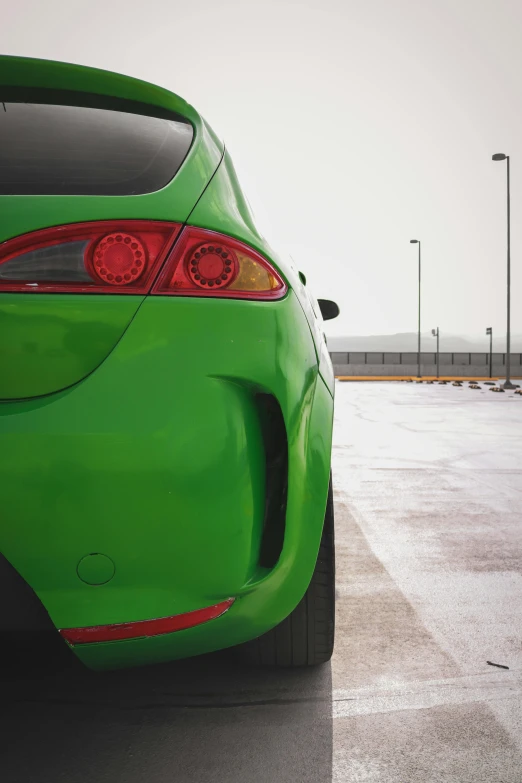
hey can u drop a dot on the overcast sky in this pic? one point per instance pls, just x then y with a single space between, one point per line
355 125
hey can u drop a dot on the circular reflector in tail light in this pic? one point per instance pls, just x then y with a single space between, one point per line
212 266
119 258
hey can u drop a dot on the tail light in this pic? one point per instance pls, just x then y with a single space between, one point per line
104 257
205 263
137 257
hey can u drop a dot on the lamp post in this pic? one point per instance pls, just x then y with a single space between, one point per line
435 333
489 331
417 242
507 384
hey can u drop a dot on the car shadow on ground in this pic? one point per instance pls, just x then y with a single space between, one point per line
192 721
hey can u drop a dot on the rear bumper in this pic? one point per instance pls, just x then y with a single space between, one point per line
156 461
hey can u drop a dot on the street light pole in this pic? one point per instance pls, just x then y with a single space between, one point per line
508 384
417 242
489 331
435 333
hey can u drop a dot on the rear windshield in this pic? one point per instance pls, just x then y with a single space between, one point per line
54 149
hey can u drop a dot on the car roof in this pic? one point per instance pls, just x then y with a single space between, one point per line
53 75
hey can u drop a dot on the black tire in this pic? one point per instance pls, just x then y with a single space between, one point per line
306 636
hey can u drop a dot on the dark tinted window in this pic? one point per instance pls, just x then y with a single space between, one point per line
50 149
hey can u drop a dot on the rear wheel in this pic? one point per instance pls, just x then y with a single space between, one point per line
306 636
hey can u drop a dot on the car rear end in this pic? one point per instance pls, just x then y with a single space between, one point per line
166 415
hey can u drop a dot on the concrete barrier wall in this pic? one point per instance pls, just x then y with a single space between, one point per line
446 360
447 370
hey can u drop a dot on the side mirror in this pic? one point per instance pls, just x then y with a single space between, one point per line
328 309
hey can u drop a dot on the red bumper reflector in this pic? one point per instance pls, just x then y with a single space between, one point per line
144 628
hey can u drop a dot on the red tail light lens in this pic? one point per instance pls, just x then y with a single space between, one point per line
205 263
112 257
144 628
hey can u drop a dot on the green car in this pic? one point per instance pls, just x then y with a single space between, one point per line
166 390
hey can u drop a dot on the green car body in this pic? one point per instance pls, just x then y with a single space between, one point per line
133 451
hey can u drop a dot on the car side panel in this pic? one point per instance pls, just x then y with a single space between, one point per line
223 207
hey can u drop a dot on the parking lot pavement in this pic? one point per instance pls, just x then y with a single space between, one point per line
206 719
428 486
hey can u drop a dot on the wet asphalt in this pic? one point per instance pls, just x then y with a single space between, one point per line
428 491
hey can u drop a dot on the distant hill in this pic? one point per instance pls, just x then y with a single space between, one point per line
407 341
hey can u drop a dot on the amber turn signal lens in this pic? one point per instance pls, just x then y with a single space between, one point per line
205 263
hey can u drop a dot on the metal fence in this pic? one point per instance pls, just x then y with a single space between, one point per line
409 358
